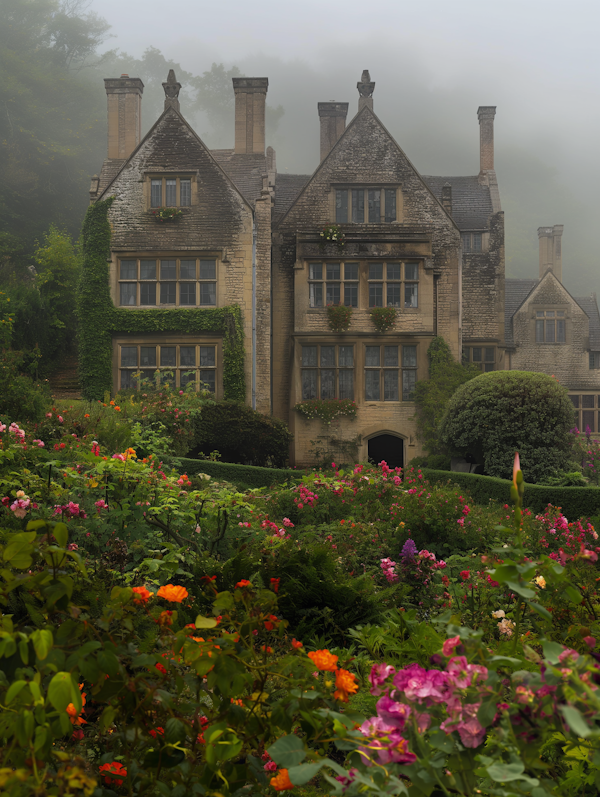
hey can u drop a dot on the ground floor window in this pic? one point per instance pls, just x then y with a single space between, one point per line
172 363
327 372
483 357
587 407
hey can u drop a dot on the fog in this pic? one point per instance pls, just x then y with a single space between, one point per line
433 63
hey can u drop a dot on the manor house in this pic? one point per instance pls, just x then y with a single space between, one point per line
412 256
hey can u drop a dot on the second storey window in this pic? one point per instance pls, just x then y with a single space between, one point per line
471 241
333 283
170 192
550 326
365 205
177 282
394 285
390 371
176 364
327 372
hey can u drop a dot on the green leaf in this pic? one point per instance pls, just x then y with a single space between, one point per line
504 773
487 712
303 773
441 741
520 589
19 549
573 594
61 534
541 610
205 622
575 721
60 689
287 751
552 651
42 642
13 690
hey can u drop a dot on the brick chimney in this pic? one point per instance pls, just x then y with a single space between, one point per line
486 114
551 250
332 116
365 87
250 101
124 96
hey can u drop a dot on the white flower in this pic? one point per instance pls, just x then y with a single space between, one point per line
498 614
541 582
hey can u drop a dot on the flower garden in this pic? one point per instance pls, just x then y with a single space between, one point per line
352 631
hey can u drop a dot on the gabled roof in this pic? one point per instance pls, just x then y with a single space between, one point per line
246 171
471 200
287 188
515 293
589 306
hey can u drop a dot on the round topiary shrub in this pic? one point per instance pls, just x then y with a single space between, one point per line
498 413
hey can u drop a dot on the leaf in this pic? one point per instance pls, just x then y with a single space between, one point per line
205 622
573 594
520 589
13 690
552 651
19 549
504 773
59 690
303 773
575 721
42 642
486 712
540 610
61 534
287 751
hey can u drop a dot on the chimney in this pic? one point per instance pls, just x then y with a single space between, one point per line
250 101
485 114
124 96
172 89
551 250
447 198
365 91
333 123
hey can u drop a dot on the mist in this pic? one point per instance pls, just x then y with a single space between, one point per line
433 66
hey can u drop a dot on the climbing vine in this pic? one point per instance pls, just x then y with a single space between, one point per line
99 319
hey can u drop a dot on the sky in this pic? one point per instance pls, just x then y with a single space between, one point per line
433 63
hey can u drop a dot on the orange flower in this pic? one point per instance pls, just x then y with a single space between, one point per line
243 583
165 618
272 622
323 660
282 781
345 685
141 594
76 718
266 649
275 584
297 645
172 593
113 771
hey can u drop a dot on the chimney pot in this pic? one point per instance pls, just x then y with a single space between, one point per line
550 239
332 116
486 114
250 103
124 100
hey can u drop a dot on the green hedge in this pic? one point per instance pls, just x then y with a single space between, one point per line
575 502
240 475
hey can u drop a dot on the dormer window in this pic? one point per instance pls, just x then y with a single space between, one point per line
550 326
365 205
170 192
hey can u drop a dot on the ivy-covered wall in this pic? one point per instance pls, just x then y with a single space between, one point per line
100 320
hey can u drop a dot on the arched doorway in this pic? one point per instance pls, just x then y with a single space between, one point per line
387 447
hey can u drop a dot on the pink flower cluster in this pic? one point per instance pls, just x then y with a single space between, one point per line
388 570
69 511
305 496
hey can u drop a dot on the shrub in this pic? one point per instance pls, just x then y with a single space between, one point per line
434 461
20 396
242 435
498 413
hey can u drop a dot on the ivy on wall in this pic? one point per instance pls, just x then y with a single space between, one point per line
99 319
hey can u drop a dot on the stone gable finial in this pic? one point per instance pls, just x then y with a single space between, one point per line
172 89
365 87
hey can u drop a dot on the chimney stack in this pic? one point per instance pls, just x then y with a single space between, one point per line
250 102
447 198
551 250
333 123
486 114
124 97
365 87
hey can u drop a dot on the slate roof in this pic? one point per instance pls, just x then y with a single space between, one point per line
515 293
287 188
589 305
246 171
110 169
471 201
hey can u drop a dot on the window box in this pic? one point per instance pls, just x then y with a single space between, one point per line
167 214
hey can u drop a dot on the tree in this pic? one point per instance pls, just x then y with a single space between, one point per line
432 395
496 414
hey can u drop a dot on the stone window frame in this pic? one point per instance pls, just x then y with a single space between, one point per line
482 355
587 408
337 213
320 367
405 370
179 370
157 281
474 242
554 315
594 360
149 180
320 289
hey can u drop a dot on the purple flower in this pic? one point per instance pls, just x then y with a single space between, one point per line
409 549
394 714
379 675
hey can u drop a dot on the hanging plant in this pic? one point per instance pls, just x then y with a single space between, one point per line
338 317
167 214
383 318
332 234
326 409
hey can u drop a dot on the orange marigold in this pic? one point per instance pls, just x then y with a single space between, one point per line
297 645
243 583
323 660
141 594
282 781
172 593
345 685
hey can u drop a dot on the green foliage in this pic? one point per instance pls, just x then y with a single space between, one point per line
246 476
383 318
339 317
242 435
20 396
433 461
99 319
326 410
431 396
498 413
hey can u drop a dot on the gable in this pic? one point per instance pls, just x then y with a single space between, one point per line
366 154
218 208
549 292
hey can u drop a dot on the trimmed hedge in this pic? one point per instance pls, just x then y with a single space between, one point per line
575 502
240 475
